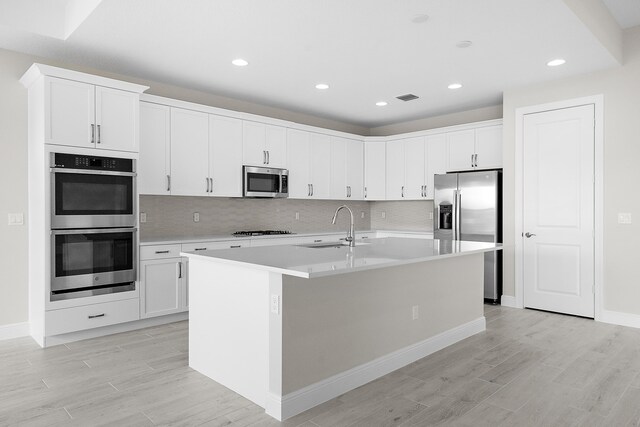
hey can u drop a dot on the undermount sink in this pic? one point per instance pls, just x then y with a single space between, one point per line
324 245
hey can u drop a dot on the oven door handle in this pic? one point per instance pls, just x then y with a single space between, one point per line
94 231
91 172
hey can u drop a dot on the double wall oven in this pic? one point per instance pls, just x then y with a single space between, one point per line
93 218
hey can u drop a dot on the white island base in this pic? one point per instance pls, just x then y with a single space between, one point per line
290 343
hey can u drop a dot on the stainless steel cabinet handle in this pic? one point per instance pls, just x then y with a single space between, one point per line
168 182
162 252
211 185
317 241
98 133
264 157
235 246
94 316
311 190
179 270
528 235
200 249
365 192
472 160
93 133
402 191
268 160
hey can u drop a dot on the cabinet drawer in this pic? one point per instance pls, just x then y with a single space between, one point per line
91 316
207 246
159 251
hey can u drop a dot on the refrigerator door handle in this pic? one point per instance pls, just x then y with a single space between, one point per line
454 219
458 213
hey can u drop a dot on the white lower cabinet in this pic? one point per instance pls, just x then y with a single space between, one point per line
163 287
75 319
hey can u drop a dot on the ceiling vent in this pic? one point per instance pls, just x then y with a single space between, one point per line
407 97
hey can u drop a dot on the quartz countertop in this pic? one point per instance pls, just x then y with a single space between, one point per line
306 262
229 237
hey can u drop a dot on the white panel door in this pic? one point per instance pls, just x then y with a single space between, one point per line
414 168
461 147
395 170
298 163
320 166
558 198
375 167
189 153
154 164
338 172
162 287
489 147
355 169
436 160
276 146
225 151
69 113
253 138
117 118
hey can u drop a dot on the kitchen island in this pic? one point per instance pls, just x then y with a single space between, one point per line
290 327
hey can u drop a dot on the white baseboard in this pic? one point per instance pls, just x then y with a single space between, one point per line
14 330
320 392
620 318
114 329
509 301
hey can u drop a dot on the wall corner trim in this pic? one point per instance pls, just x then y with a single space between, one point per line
308 397
14 330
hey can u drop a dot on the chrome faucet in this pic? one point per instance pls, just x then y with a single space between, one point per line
351 238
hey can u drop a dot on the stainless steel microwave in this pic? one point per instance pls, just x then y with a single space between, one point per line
265 182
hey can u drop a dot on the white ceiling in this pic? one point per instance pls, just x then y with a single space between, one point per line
626 12
366 50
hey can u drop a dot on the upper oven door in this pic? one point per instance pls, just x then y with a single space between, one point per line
264 182
89 258
92 198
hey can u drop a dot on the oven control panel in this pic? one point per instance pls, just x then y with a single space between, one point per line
76 161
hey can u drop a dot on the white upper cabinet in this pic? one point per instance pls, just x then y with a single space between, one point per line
435 161
395 170
489 147
189 153
320 166
264 145
347 169
84 115
414 173
154 164
225 151
299 163
375 167
479 148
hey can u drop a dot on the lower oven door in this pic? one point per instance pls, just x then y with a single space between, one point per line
95 258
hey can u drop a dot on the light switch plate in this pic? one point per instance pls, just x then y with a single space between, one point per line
297 215
16 219
624 218
275 304
143 217
384 215
430 215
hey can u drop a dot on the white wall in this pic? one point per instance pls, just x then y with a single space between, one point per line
621 89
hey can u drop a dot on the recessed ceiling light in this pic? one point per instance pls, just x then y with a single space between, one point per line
464 44
239 62
381 103
322 86
556 62
454 86
419 19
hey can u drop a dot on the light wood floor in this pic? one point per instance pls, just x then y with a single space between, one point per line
528 368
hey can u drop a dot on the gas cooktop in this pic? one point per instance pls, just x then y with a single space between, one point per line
260 233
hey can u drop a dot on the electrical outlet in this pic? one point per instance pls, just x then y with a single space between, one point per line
297 216
275 304
430 215
196 217
143 217
16 219
624 218
384 215
362 214
415 312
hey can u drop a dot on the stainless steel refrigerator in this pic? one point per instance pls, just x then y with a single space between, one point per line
468 206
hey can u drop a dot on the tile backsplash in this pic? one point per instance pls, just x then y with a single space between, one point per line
402 215
172 216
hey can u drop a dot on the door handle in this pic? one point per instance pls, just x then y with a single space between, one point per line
98 126
365 192
207 179
528 235
472 160
311 190
308 190
402 191
179 270
93 134
264 157
168 182
268 160
211 185
475 162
